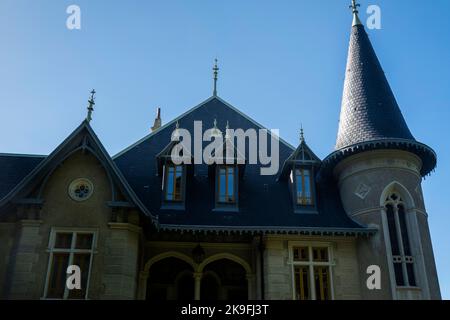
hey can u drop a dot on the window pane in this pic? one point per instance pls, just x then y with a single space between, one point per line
230 186
169 183
322 283
404 230
63 240
392 230
84 241
57 281
411 276
222 185
399 274
301 254
299 182
178 181
320 254
302 283
307 178
82 261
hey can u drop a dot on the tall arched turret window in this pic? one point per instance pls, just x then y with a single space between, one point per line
400 242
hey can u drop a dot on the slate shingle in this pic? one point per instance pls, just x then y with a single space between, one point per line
369 110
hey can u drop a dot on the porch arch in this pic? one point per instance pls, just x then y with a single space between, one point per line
227 256
170 254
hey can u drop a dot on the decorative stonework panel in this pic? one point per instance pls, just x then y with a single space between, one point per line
362 191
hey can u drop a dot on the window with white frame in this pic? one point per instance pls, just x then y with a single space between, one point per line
312 272
69 248
400 245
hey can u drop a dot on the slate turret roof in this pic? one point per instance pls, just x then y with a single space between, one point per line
369 109
370 116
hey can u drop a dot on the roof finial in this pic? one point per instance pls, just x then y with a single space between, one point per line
176 132
216 133
355 12
216 73
302 136
227 131
158 122
90 108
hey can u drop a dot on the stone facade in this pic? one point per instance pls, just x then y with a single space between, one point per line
125 250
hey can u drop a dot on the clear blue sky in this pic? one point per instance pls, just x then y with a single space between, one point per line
282 63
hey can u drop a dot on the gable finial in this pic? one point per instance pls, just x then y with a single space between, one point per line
227 131
216 73
91 105
215 130
302 136
354 6
176 132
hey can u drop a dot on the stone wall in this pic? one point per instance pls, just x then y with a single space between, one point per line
278 269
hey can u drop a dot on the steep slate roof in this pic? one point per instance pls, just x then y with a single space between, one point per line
13 168
369 110
370 116
264 202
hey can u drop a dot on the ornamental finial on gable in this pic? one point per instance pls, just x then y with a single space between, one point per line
302 136
216 73
91 105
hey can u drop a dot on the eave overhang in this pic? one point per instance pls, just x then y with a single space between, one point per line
424 152
270 230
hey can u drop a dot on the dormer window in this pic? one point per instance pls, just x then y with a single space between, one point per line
303 187
175 169
299 169
226 184
173 182
225 171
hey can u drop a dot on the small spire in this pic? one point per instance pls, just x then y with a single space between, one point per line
158 121
216 73
302 136
176 133
354 6
227 135
215 131
90 108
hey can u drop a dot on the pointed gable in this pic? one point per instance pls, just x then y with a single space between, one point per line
303 155
83 139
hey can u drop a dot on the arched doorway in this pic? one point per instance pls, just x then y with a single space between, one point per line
225 280
170 279
210 288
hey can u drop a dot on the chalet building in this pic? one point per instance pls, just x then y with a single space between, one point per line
140 226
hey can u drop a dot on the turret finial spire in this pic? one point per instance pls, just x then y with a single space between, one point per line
354 6
216 73
91 105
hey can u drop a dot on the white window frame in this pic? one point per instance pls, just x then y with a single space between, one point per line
311 264
51 250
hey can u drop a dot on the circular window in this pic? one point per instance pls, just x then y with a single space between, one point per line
81 189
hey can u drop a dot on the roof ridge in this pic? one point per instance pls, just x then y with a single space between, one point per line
173 121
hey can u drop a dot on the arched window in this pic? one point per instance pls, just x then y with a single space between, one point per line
400 244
